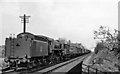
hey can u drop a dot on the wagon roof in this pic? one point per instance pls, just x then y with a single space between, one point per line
26 33
49 39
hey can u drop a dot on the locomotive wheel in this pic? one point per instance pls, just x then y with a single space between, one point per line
44 61
57 59
61 59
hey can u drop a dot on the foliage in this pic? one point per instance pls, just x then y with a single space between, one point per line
98 47
107 37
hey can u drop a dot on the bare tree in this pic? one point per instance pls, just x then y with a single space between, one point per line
105 36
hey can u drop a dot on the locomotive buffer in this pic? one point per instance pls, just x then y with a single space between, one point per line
24 20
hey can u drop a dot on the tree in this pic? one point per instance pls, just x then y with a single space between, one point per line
98 47
107 37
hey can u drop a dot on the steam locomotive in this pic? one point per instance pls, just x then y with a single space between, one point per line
31 49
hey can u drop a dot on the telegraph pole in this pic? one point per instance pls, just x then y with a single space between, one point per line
24 20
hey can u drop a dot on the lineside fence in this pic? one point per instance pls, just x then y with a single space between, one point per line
86 69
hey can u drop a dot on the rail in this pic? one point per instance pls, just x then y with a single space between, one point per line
61 65
32 70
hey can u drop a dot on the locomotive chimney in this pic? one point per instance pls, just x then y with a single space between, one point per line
24 20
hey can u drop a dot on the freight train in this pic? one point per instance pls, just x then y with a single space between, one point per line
29 50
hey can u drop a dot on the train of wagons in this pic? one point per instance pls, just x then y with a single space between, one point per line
29 50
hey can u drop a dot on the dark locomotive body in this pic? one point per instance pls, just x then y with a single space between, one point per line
40 49
28 50
26 44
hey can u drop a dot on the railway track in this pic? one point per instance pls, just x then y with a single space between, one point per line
44 69
49 71
56 67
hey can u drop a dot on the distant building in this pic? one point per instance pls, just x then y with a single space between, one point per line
2 51
119 24
119 32
119 19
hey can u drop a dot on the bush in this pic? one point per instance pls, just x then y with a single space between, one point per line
99 47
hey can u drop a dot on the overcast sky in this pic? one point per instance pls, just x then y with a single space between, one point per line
74 20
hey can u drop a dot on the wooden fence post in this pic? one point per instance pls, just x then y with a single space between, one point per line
96 70
81 67
88 69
